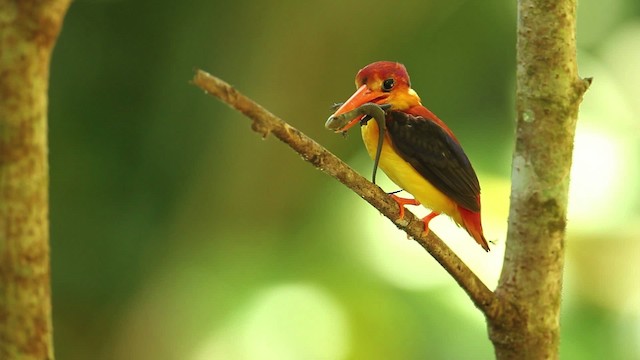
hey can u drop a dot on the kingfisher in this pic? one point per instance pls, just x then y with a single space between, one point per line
413 147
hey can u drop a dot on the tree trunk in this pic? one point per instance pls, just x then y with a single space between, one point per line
548 95
28 31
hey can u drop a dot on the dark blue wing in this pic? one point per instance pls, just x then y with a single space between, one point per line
436 156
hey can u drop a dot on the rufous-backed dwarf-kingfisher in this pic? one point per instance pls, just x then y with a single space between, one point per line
419 152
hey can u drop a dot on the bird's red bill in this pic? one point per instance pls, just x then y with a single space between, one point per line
362 96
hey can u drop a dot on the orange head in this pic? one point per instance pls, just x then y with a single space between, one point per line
382 83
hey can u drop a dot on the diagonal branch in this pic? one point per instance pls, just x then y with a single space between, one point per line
266 123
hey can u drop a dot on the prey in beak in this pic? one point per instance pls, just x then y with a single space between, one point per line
347 115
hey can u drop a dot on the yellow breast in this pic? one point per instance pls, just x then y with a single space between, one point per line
405 176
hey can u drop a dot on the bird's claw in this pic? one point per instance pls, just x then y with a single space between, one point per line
427 219
402 202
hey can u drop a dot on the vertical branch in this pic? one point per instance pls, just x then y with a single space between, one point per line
549 92
28 30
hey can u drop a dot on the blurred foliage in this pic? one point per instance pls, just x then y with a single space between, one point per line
178 234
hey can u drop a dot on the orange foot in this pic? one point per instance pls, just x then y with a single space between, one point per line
402 202
428 218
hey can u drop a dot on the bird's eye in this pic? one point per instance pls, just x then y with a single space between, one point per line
387 85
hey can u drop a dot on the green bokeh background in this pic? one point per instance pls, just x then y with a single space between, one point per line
177 233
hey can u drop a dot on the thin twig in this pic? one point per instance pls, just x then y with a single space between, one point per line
266 123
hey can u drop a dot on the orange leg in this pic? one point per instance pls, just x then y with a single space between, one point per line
402 202
428 218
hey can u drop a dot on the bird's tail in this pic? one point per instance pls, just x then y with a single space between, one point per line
472 222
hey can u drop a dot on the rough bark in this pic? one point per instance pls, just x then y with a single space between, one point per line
28 31
548 95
